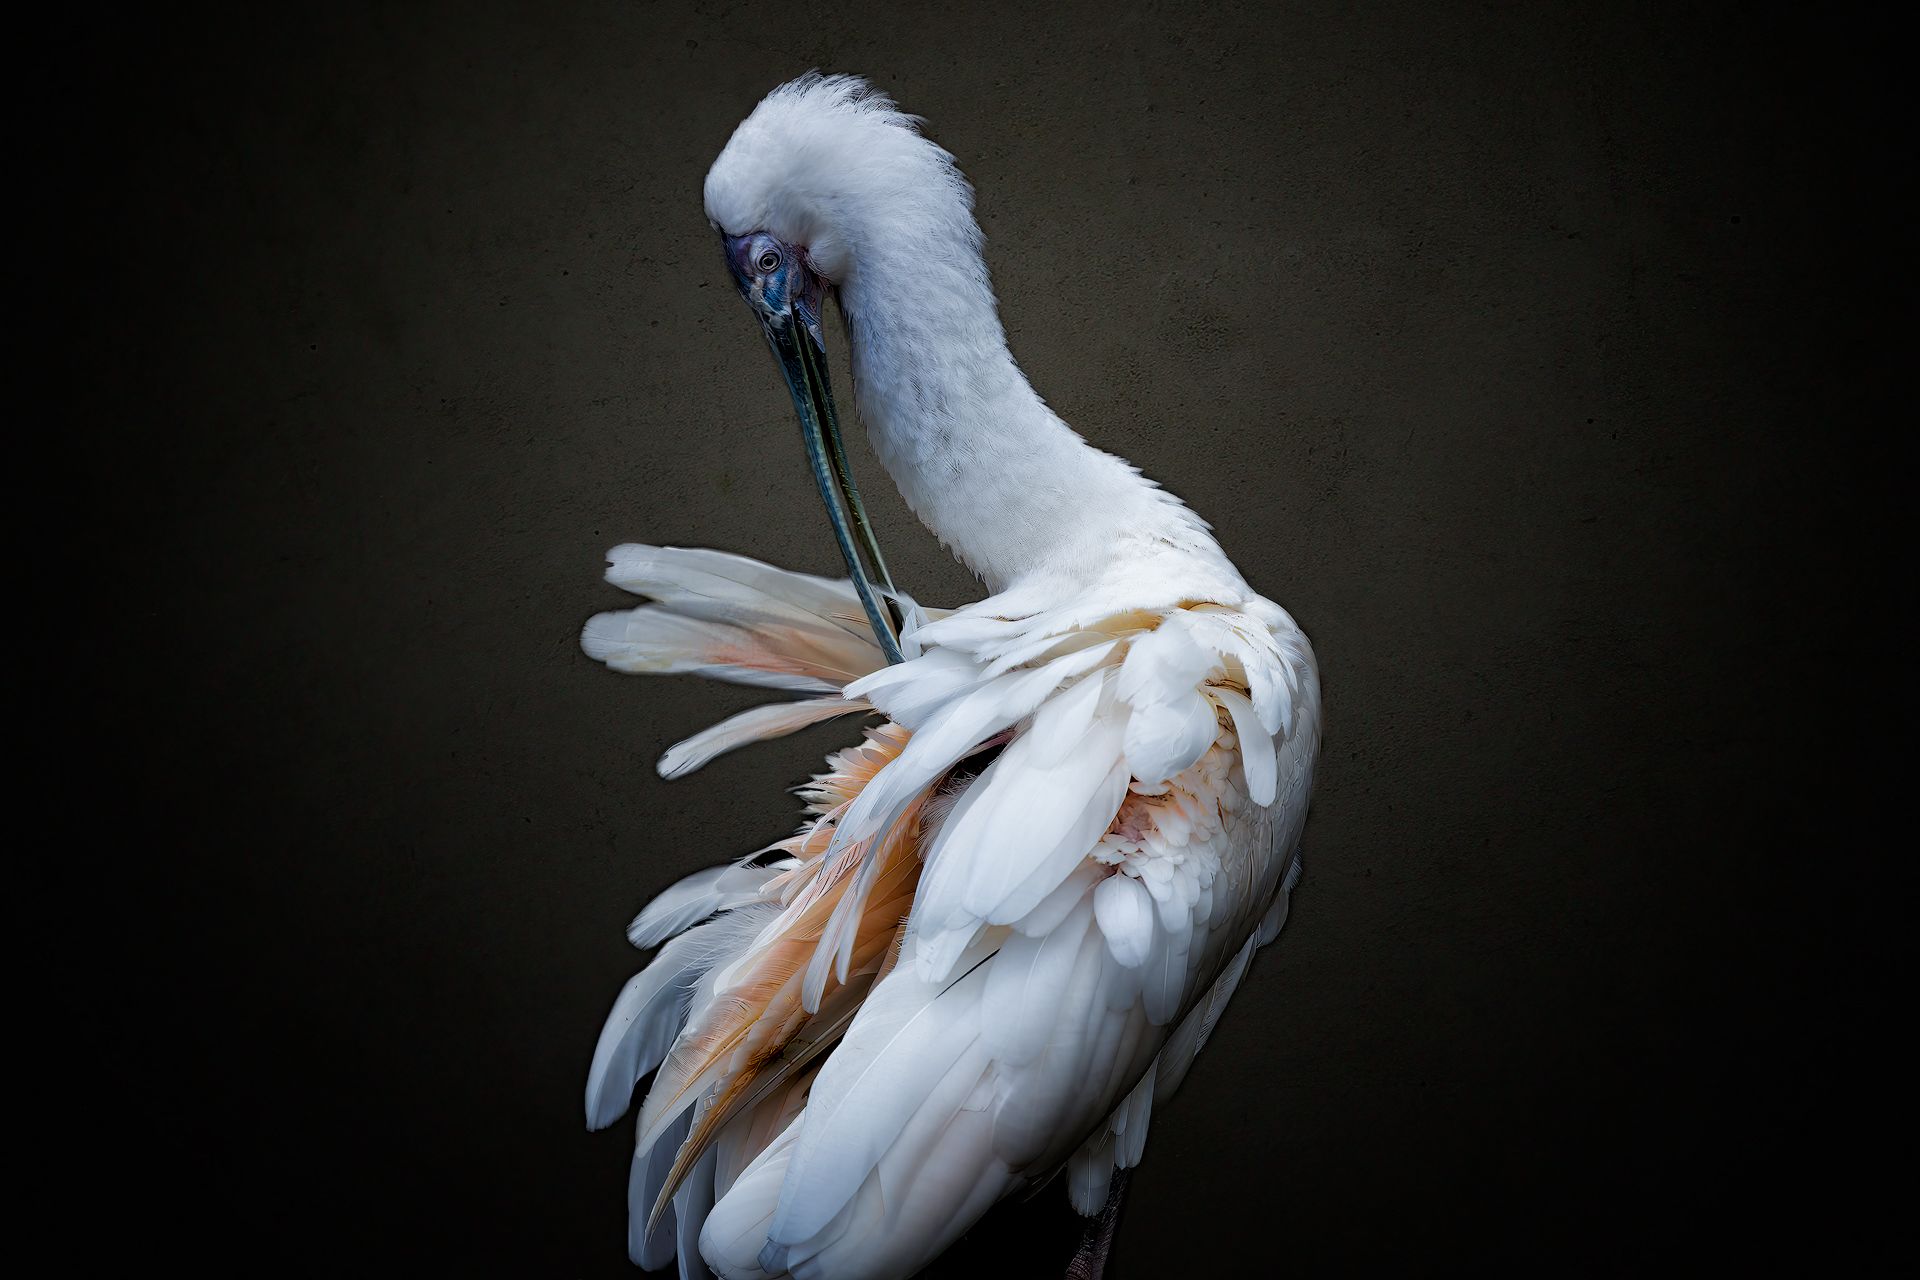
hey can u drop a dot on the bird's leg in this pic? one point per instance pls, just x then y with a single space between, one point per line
1090 1263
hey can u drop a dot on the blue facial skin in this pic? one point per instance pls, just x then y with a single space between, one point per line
776 282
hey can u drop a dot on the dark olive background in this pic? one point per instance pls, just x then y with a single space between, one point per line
1523 352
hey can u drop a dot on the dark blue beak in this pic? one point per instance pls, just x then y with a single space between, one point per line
787 300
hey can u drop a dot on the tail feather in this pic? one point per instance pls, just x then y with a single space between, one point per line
732 618
736 1231
749 1030
700 896
722 587
644 1021
755 724
653 640
692 1203
651 1245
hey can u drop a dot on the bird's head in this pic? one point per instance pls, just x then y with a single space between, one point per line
825 172
779 285
833 172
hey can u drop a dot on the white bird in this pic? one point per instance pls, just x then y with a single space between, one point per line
1021 903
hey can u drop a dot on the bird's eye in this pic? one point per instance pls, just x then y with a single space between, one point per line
769 260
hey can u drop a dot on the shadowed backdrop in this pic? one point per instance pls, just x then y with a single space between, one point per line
1509 347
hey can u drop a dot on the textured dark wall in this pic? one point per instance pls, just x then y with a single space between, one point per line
1513 348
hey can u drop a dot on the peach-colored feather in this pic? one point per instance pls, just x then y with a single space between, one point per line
781 651
742 1036
828 796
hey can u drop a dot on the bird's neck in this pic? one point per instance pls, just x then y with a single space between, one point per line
1014 492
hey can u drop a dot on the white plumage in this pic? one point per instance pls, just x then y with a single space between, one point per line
1020 905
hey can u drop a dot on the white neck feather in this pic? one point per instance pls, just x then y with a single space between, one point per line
1004 483
830 165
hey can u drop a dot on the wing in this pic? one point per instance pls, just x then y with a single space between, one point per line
1010 924
1087 906
738 620
731 618
715 1009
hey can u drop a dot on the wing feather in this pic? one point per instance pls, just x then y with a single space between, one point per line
1125 912
694 898
855 1091
723 587
1257 756
755 724
645 1018
903 1044
1026 986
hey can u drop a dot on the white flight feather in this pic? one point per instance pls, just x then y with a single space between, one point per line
897 1050
940 903
1191 1037
736 1229
640 1028
1062 725
973 628
1044 649
947 736
1123 1041
1089 1172
755 724
651 640
723 587
1053 867
908 692
691 1205
1037 823
1164 976
1131 1121
691 899
1025 984
921 1192
1276 917
653 1248
725 942
1066 895
651 1009
1257 756
953 730
942 879
1040 1101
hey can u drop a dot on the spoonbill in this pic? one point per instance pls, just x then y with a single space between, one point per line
1018 906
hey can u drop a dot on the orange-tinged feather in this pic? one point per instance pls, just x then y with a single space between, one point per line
745 1030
